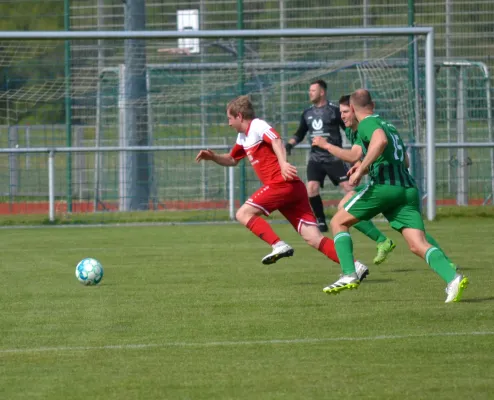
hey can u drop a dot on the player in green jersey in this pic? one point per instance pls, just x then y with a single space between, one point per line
354 155
384 245
392 192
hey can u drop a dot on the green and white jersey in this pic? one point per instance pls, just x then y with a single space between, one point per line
389 168
351 135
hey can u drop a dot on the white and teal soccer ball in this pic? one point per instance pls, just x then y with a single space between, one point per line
89 272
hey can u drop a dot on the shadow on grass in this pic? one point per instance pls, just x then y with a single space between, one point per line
307 283
372 281
462 268
478 300
367 281
403 270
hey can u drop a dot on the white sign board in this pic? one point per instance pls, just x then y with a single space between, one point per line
188 20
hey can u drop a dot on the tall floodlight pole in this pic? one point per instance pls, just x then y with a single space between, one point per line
135 164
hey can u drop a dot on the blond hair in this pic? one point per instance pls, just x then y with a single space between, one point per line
361 98
241 105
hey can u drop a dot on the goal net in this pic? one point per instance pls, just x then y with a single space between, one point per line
114 93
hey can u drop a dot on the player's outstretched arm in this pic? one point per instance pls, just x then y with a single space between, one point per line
297 137
288 171
407 160
349 155
377 144
353 168
225 160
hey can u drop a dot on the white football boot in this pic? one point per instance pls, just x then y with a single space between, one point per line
455 288
283 250
362 270
345 282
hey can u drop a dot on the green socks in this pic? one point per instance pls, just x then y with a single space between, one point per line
432 241
344 248
369 229
439 263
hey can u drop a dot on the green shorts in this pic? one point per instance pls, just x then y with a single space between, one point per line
360 187
399 205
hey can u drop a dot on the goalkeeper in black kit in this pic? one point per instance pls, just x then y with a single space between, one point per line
321 119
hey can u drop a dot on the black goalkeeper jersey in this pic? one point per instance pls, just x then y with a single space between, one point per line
321 121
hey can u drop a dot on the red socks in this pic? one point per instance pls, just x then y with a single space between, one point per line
259 227
327 248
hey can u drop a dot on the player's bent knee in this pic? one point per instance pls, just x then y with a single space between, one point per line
313 241
414 248
240 216
311 235
344 200
418 249
418 246
346 186
244 214
416 241
334 223
312 188
342 219
338 218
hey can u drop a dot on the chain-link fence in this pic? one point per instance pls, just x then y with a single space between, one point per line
53 91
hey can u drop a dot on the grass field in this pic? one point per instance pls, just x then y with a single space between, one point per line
189 312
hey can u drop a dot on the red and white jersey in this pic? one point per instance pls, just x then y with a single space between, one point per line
256 144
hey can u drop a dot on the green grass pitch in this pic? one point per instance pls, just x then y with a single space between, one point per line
189 312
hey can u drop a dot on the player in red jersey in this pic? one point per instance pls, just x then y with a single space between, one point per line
282 189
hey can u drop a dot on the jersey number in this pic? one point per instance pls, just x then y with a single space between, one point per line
398 147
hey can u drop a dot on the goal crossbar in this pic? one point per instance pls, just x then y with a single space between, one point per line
428 32
214 34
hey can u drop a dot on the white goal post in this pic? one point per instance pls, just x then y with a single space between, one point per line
427 32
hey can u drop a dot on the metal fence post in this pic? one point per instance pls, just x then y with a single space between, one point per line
462 189
231 192
79 163
51 186
430 125
13 163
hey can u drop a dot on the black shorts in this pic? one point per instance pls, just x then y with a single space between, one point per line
335 170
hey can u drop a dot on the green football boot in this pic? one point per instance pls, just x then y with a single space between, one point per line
384 249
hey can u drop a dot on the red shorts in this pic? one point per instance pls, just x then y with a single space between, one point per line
289 198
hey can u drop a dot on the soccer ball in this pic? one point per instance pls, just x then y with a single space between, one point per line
89 272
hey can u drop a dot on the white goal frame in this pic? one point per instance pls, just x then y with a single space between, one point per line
428 32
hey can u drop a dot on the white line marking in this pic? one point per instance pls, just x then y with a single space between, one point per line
117 225
239 343
129 224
